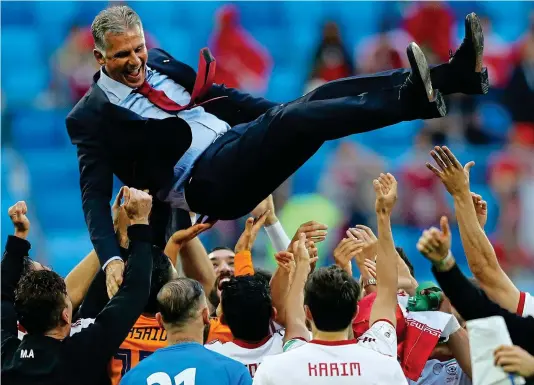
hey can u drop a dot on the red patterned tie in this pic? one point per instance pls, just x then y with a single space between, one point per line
159 98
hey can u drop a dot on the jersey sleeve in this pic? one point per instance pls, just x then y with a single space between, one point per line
293 344
525 307
381 337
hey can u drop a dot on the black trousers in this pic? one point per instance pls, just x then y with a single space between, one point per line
249 162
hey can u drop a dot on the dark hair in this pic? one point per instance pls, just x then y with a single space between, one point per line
178 300
161 274
247 307
263 273
404 257
332 296
40 301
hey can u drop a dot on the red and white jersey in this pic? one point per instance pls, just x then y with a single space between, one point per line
442 373
371 359
525 307
250 355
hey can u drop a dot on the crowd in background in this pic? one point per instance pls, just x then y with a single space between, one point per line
497 130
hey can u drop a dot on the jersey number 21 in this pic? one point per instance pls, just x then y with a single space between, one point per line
185 377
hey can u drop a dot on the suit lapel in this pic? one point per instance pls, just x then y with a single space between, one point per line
180 72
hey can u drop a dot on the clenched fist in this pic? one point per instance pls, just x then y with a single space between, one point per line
17 213
137 204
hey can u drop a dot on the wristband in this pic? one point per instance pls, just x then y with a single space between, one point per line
439 265
369 282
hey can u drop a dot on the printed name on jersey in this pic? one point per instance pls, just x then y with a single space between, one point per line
334 369
148 334
423 327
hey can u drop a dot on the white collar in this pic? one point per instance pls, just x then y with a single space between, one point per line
121 91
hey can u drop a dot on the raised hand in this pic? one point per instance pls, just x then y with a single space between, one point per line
514 359
120 220
266 205
347 249
285 261
386 193
248 237
314 231
481 208
452 174
181 237
300 252
435 244
370 243
17 213
137 205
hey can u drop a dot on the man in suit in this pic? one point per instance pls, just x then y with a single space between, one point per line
142 120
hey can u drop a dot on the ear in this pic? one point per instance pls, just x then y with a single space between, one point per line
66 316
99 57
274 313
309 316
206 316
159 318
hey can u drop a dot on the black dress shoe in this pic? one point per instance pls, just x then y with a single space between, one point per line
466 62
417 92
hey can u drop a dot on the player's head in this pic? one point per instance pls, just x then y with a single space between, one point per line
331 299
247 307
32 265
120 45
222 259
162 272
42 303
406 260
183 308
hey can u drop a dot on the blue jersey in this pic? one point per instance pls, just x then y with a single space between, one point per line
187 363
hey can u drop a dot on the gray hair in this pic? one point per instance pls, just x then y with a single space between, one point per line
117 19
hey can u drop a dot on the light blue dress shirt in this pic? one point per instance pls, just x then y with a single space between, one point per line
205 127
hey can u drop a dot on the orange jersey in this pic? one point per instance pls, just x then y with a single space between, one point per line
144 338
219 331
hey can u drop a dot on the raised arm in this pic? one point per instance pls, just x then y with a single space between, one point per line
96 184
100 340
468 300
385 304
295 315
193 255
12 266
478 249
79 279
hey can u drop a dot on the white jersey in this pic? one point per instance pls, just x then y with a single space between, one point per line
372 359
250 355
525 307
437 372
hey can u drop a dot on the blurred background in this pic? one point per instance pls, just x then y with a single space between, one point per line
282 50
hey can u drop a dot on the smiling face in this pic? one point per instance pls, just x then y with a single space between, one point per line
125 56
223 265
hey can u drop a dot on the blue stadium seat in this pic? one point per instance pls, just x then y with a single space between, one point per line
67 248
88 10
155 13
284 85
21 49
58 13
59 209
22 86
178 43
53 170
39 129
260 13
17 13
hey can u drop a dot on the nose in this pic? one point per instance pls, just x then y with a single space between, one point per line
135 61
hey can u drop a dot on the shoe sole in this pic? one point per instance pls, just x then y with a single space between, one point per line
420 68
474 29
